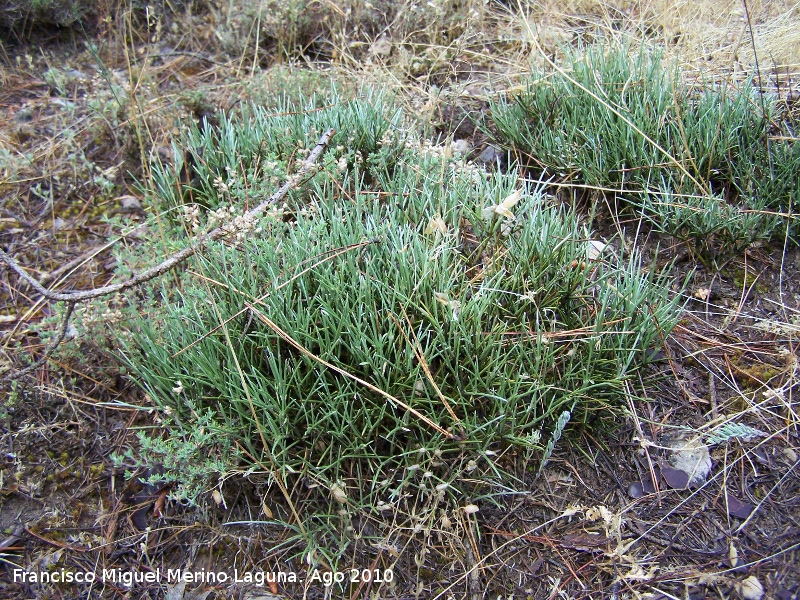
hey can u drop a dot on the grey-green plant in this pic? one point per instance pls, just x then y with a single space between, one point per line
563 419
732 430
618 120
404 314
195 449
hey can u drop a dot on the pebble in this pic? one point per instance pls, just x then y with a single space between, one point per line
750 589
461 146
492 156
129 204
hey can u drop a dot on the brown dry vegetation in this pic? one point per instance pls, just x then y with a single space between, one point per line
85 107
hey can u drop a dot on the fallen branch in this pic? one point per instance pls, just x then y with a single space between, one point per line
182 255
195 247
55 343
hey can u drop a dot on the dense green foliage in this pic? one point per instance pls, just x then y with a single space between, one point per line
705 165
396 258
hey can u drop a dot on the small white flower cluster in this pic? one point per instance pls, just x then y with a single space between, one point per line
99 315
221 186
241 226
475 172
235 226
273 172
191 216
429 149
222 215
272 166
390 136
294 180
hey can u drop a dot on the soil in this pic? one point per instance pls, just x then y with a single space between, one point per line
606 518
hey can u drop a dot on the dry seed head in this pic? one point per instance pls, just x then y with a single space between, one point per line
338 493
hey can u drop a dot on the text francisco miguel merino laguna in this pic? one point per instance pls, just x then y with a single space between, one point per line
130 577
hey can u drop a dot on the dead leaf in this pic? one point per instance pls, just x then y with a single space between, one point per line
504 208
454 305
636 490
702 294
139 518
158 507
338 493
737 508
266 509
585 542
675 478
436 225
733 555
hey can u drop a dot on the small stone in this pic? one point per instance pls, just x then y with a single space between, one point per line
381 47
24 115
492 156
750 589
691 456
594 249
129 204
462 147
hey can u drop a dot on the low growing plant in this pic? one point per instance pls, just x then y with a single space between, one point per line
405 317
622 121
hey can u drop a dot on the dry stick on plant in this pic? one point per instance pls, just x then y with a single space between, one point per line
196 246
291 341
331 255
424 364
50 348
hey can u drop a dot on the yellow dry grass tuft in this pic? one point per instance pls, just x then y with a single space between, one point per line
710 36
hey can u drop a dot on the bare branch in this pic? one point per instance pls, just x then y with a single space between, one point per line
197 245
48 351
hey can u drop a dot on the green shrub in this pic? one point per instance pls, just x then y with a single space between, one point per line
623 122
396 259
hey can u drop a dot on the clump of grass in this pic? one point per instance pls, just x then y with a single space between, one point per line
622 121
407 314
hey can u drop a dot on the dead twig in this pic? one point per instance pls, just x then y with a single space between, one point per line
167 264
197 245
49 350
